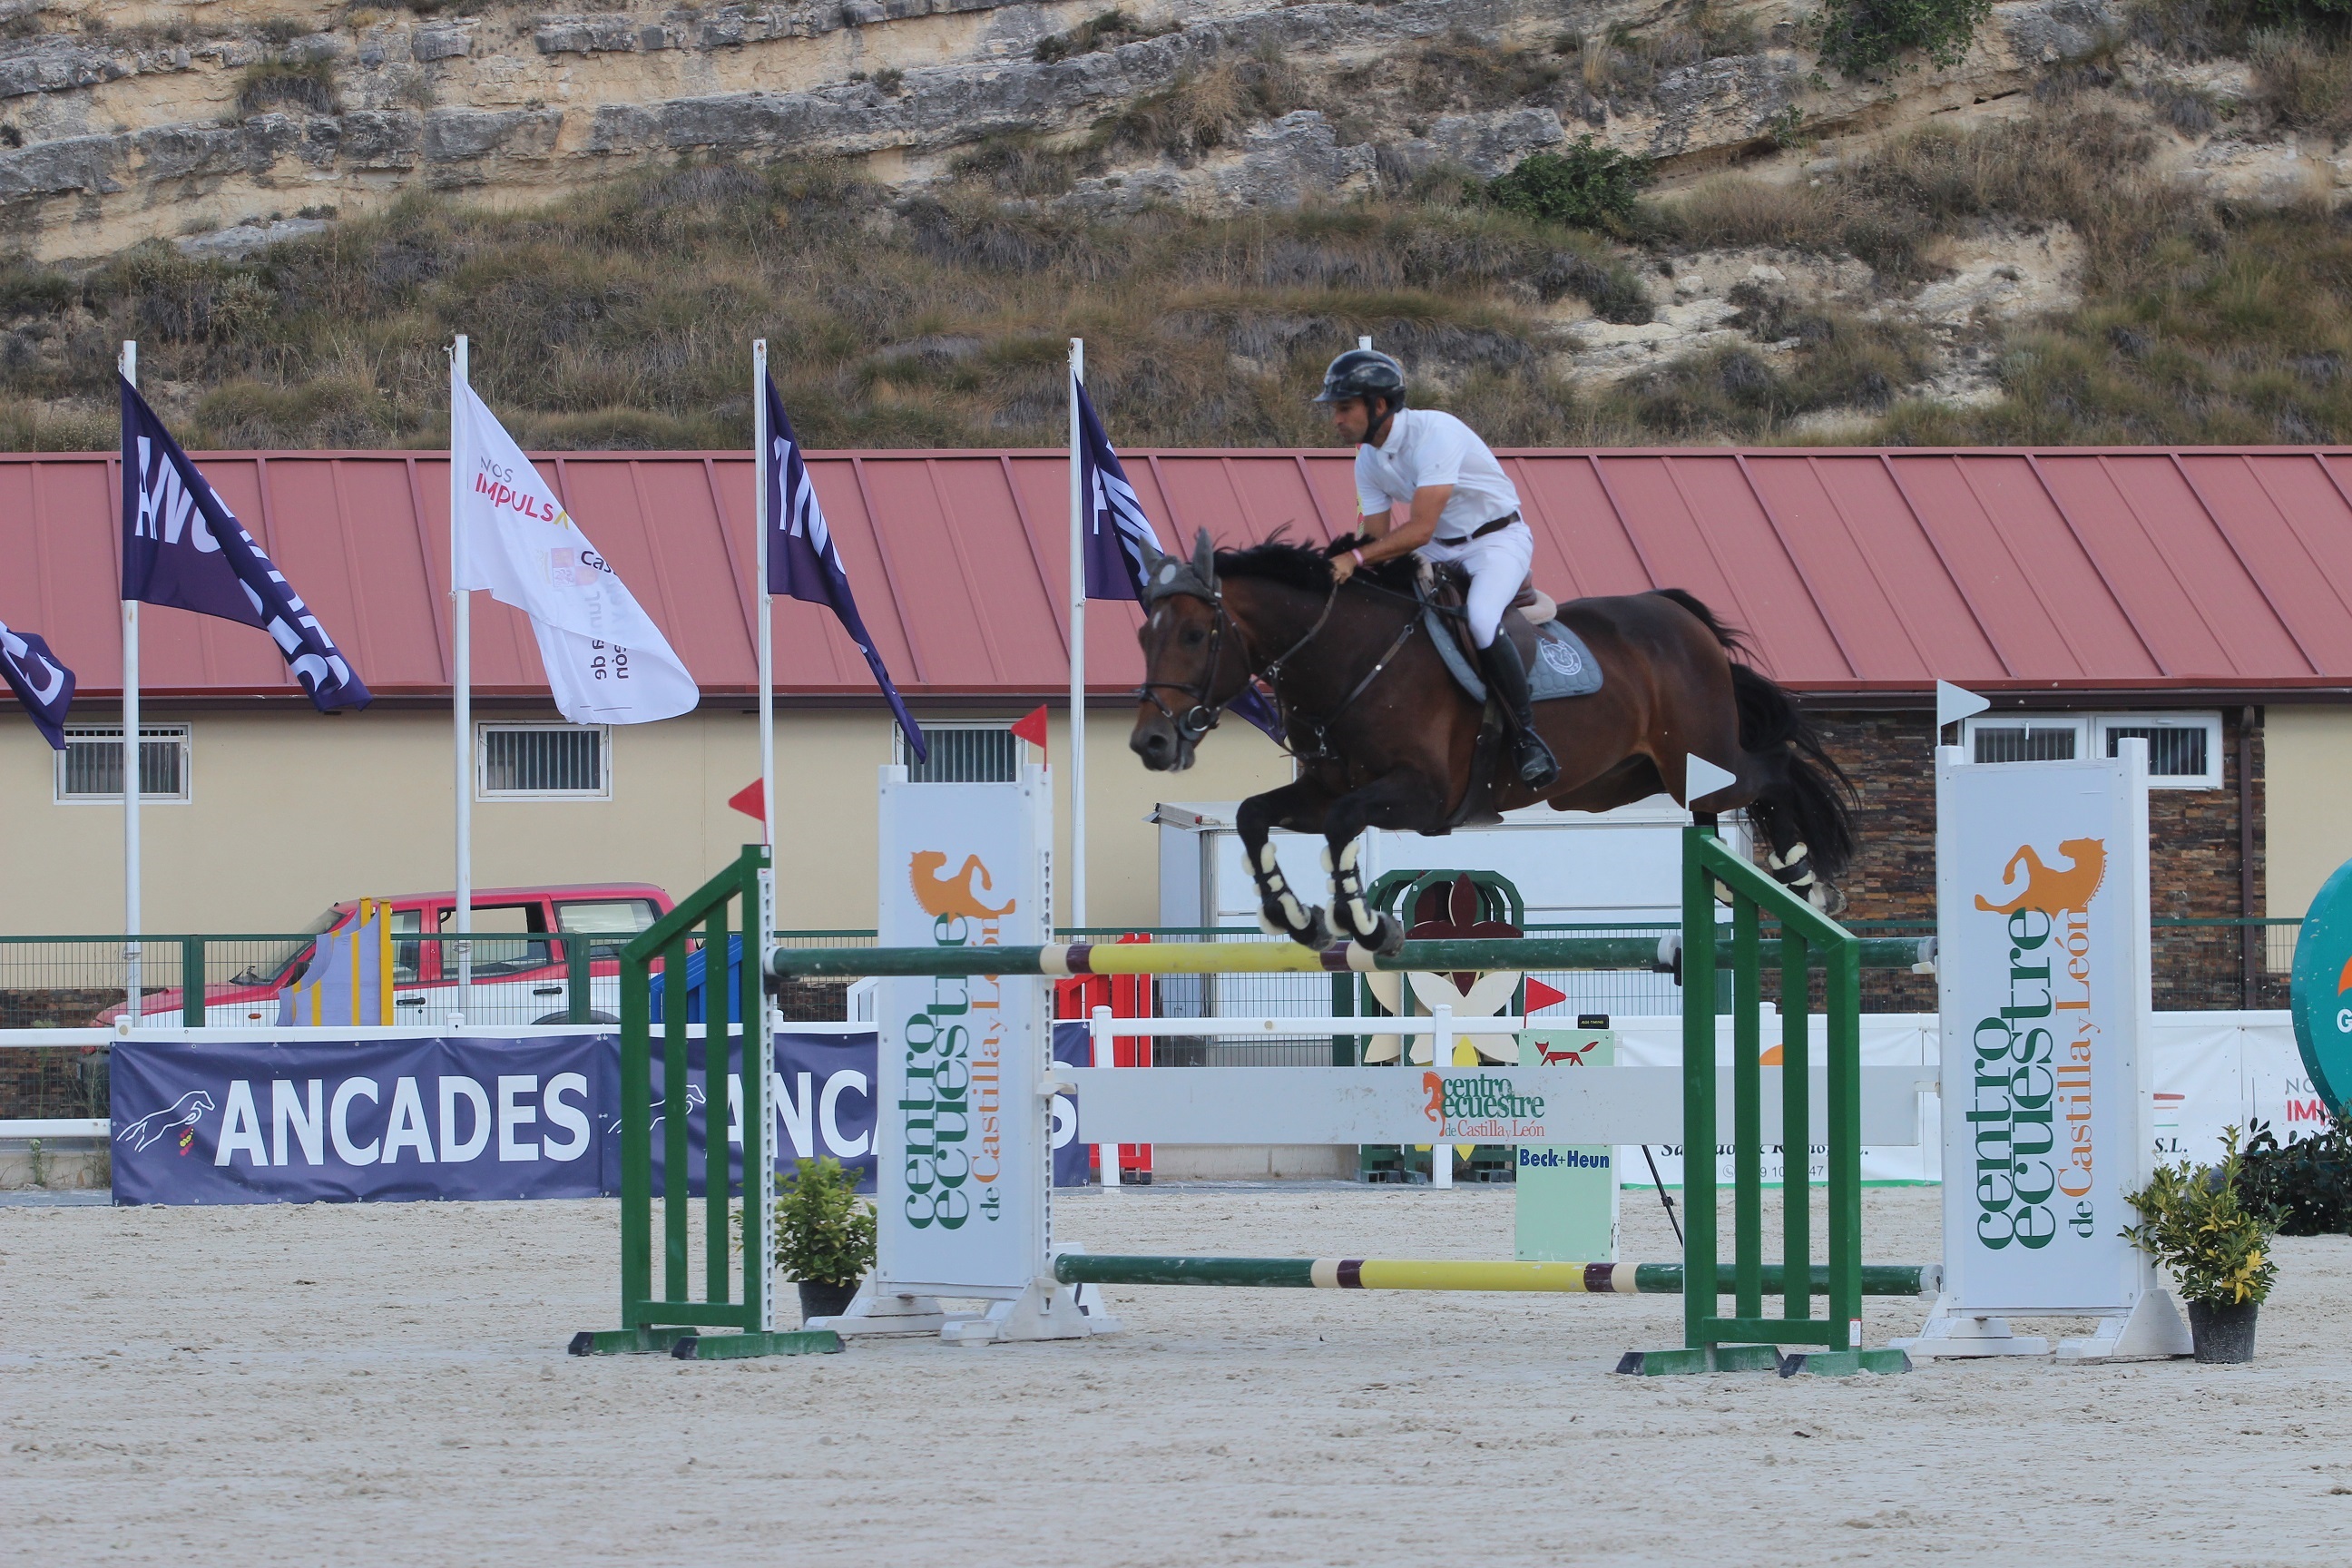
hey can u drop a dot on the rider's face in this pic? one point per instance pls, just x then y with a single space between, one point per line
1351 420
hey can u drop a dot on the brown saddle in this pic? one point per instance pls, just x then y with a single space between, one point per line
1448 586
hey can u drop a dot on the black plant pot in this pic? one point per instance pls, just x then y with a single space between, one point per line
2223 1334
819 1300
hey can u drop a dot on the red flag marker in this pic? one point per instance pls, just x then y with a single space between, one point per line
752 802
1033 727
1541 995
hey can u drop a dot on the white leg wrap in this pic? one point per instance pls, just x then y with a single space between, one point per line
1292 908
1267 860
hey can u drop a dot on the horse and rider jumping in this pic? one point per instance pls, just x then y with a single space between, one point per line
1385 737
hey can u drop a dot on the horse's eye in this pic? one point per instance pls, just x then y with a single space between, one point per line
1194 636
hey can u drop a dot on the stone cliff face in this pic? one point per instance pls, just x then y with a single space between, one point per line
219 123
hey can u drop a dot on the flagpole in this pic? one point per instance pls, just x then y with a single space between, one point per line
760 460
1077 880
461 695
131 779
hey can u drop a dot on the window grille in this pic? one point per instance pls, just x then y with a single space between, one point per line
2024 744
537 760
90 767
2174 751
964 753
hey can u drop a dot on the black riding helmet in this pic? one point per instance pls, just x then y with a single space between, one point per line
1366 373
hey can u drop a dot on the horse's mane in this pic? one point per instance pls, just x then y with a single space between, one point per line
1278 560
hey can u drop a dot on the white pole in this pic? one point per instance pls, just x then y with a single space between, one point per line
461 697
761 457
1105 1055
1077 883
130 792
1441 1057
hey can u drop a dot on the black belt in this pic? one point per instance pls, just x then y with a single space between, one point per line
1481 532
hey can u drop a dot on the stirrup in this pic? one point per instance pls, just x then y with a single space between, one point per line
1529 747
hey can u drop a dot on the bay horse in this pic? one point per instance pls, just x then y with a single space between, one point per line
1385 738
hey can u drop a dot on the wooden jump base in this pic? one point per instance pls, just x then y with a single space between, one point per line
1523 953
1448 1274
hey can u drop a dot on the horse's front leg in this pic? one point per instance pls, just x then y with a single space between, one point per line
1300 807
1403 799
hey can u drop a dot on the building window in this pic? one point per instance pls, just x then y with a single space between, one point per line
89 770
2184 750
962 754
543 762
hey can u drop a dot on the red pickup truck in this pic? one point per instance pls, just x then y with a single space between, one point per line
519 972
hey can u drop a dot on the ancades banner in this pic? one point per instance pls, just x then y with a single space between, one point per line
2042 906
364 1120
341 1120
962 1195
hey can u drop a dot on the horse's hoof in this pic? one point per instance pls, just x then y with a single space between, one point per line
1318 934
1388 937
1829 899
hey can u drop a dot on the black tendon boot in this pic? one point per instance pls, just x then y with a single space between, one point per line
1508 678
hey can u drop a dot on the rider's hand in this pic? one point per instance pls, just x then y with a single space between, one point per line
1343 567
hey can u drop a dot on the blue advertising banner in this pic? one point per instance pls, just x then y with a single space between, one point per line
342 1120
360 1121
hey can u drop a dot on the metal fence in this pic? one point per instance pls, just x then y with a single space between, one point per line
70 982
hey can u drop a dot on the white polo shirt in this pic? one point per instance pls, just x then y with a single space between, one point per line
1426 446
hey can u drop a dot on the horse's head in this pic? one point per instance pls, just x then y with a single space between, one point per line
1193 661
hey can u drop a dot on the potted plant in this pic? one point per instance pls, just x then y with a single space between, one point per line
2203 1226
825 1235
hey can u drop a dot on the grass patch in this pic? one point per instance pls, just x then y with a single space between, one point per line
308 84
1204 110
1104 30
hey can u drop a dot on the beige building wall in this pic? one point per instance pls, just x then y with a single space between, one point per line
293 811
2307 787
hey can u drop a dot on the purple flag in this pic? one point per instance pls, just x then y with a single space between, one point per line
181 547
1116 531
801 561
41 683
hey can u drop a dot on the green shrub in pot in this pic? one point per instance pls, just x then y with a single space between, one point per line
2214 1238
824 1233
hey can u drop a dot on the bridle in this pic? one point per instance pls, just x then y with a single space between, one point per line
1207 710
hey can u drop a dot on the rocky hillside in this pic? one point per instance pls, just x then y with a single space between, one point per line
1579 220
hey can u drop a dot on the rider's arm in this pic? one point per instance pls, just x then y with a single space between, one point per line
1418 529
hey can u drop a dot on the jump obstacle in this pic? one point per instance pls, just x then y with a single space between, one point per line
1044 1304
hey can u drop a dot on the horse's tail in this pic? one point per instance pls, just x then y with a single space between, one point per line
1814 789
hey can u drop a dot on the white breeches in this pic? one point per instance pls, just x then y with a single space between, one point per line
1497 565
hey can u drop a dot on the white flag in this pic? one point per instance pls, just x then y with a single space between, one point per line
606 660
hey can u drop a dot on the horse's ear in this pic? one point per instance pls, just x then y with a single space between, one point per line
1204 558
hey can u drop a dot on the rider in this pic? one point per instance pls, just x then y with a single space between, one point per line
1463 508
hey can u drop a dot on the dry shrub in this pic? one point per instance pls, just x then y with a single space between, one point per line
1206 110
2305 82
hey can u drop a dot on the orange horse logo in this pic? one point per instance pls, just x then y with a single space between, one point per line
945 895
2049 888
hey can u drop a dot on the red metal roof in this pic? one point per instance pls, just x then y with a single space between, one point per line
1854 571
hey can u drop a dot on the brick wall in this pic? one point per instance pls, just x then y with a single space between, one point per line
2192 872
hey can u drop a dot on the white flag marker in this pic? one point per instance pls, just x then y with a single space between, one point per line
1954 703
1702 778
606 661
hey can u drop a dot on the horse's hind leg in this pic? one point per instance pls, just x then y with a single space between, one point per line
1786 855
1401 799
1300 807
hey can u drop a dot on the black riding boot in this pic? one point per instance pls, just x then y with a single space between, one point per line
1507 678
